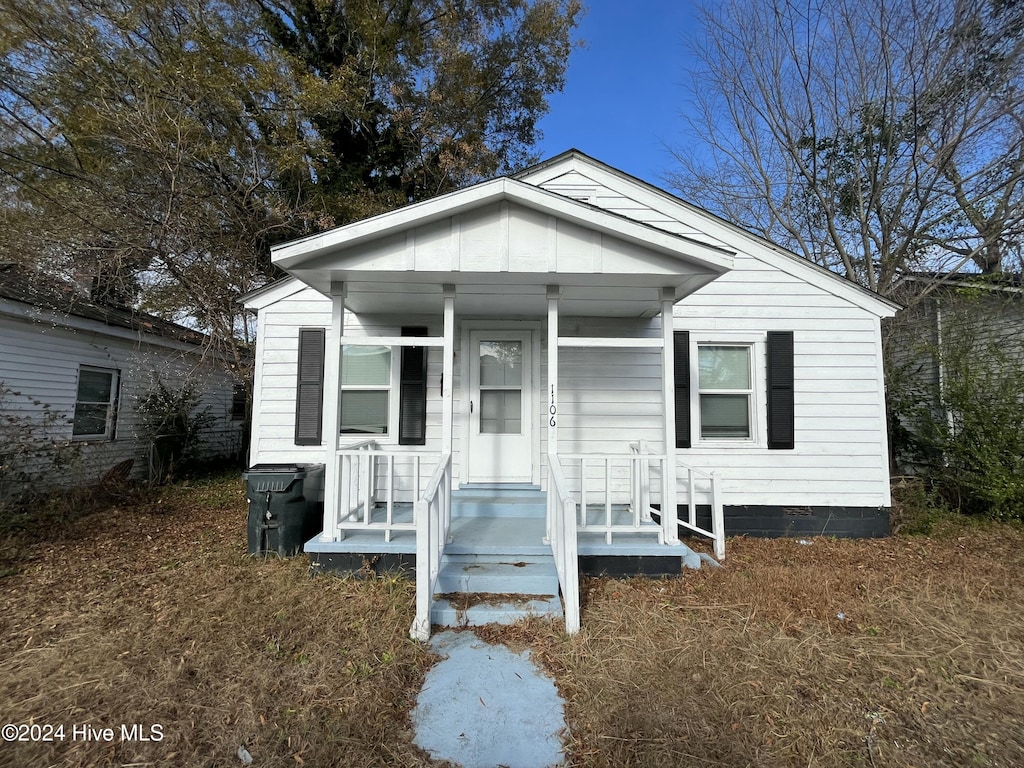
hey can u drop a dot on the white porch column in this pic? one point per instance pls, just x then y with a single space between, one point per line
552 393
448 370
669 519
332 413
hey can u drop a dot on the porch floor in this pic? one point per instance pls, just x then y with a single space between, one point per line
501 535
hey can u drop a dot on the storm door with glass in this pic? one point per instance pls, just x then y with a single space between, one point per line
500 407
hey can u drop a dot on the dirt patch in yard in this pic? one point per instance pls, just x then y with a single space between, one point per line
906 651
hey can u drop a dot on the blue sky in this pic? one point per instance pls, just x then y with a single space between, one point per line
625 91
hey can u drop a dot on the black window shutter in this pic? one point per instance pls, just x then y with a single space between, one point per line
309 389
412 404
780 390
681 351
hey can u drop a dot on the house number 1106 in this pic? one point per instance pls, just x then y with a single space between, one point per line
552 409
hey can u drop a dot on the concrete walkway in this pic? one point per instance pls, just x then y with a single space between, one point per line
483 706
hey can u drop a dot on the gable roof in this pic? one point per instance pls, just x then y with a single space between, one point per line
296 253
732 234
63 299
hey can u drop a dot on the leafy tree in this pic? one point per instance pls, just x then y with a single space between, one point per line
160 147
418 97
872 137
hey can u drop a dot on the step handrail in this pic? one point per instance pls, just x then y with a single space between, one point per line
717 531
562 536
433 521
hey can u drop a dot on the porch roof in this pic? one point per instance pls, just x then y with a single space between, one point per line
500 243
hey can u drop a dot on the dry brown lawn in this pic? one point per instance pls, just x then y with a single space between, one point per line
907 651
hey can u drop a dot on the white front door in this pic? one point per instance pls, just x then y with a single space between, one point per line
500 407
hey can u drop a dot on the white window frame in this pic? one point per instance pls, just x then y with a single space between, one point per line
757 403
115 381
392 388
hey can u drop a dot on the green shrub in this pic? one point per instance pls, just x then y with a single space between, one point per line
964 434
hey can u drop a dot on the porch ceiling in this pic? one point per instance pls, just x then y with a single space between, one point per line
513 294
501 243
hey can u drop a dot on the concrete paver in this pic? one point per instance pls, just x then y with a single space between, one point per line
483 706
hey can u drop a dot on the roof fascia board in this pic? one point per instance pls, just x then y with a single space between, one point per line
294 253
656 198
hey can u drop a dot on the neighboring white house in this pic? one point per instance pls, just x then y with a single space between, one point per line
576 334
72 372
955 324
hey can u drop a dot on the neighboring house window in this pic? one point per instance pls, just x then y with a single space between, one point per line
365 389
726 391
95 403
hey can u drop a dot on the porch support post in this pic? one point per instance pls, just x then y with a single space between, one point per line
552 408
332 413
448 370
669 520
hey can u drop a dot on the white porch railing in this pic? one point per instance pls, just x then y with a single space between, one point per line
693 478
624 487
562 536
371 477
693 483
433 520
620 489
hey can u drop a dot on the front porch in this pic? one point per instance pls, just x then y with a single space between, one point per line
514 548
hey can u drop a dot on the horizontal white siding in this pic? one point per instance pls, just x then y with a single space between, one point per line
277 356
577 186
39 364
841 455
611 397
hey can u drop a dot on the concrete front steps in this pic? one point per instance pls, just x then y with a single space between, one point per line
499 500
473 590
496 570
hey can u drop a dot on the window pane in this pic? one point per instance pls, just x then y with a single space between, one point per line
724 416
364 412
90 420
724 367
94 386
501 412
366 365
501 363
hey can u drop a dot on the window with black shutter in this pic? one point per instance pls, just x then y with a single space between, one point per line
412 407
781 411
309 390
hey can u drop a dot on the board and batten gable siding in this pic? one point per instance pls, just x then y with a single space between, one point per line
40 362
840 456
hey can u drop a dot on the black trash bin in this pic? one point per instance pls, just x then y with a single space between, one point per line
284 508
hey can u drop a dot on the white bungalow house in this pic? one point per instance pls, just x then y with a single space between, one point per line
566 366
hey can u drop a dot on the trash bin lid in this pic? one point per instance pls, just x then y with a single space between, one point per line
283 468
